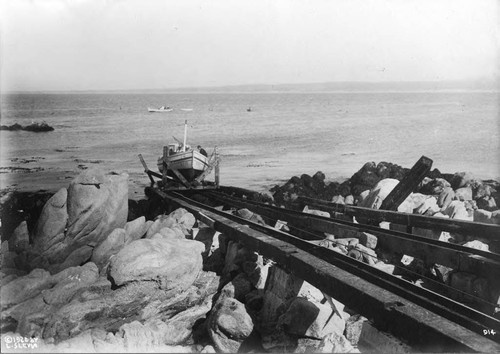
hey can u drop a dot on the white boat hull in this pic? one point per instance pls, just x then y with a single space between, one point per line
160 110
189 163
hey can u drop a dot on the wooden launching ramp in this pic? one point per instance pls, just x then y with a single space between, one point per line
430 319
427 320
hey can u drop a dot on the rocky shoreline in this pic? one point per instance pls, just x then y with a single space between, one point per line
33 127
86 269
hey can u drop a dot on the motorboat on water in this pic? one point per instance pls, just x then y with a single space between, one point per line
161 109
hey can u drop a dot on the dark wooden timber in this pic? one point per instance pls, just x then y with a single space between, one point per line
148 171
217 169
483 230
407 184
212 162
360 288
165 165
466 259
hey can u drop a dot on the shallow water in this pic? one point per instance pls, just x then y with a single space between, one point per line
286 134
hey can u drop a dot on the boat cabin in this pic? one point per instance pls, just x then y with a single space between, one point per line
175 148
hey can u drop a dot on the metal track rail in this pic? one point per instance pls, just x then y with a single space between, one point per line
347 276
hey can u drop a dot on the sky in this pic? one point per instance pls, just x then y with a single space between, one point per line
155 44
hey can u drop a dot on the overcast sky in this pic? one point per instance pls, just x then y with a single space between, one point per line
137 44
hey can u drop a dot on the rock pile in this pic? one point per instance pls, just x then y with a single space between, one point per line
458 196
33 127
86 279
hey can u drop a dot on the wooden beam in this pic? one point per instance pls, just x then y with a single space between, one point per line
146 169
217 172
487 231
149 172
431 251
165 165
211 162
407 184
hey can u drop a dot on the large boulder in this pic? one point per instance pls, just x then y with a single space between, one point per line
51 224
97 204
365 178
464 193
101 308
43 294
462 179
379 193
174 263
25 287
487 203
98 306
68 282
229 325
27 317
456 210
20 239
136 229
161 222
109 247
434 186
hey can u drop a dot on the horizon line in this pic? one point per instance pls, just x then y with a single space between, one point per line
286 87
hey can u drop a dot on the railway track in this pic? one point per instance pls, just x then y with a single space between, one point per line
425 319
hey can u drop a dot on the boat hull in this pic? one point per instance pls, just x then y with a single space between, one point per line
189 163
160 110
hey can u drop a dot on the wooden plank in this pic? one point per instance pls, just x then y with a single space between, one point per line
407 184
165 165
217 172
487 231
148 171
431 251
211 162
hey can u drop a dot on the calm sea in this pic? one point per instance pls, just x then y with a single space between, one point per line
285 134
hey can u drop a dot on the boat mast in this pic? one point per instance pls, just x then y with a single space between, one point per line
185 135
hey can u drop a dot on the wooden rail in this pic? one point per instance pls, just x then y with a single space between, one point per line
483 230
431 251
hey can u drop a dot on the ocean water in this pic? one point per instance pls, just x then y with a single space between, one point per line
285 134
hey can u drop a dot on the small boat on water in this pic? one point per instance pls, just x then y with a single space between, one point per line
161 109
181 157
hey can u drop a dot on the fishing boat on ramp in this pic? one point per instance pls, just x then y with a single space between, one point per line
161 109
184 167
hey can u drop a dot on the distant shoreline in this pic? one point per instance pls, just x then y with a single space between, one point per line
324 87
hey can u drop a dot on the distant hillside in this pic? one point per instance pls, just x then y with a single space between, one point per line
489 85
477 85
